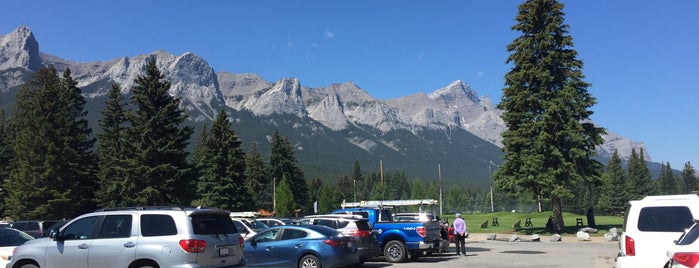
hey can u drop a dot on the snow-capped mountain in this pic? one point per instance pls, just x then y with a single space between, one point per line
344 115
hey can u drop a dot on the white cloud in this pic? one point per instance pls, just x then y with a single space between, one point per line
329 34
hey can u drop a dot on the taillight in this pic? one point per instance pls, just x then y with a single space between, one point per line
361 233
630 246
193 245
241 240
688 259
421 230
330 242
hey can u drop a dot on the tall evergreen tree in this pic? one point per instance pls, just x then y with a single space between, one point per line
52 176
110 152
549 141
78 154
221 166
343 190
285 199
282 162
667 183
614 198
326 199
159 173
639 180
257 179
6 156
357 178
689 179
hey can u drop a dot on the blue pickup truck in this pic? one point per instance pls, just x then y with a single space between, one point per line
402 240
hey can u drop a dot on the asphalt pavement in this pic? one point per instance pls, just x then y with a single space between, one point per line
497 253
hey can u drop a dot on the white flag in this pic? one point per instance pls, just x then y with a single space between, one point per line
315 207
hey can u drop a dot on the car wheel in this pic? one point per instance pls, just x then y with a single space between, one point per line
29 265
309 261
395 251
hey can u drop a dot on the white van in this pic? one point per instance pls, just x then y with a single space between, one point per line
650 227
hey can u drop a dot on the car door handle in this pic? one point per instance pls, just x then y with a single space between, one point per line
83 246
298 245
129 244
268 249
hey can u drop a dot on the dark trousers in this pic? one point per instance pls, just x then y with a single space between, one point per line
460 241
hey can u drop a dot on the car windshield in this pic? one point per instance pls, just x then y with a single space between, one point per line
13 238
256 225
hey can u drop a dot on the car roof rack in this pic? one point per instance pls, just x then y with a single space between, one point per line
351 216
179 208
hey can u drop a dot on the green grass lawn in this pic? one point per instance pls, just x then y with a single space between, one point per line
508 219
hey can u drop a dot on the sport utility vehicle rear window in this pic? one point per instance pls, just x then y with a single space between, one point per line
157 225
664 219
208 224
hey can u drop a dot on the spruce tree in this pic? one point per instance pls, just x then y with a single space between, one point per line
282 162
257 180
326 199
689 179
6 156
221 167
638 179
110 150
52 172
155 146
549 142
285 199
78 155
666 182
614 197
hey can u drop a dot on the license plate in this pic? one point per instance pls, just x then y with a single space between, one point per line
223 251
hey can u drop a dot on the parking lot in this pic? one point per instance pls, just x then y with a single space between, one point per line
569 253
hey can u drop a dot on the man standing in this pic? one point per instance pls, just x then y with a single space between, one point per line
460 234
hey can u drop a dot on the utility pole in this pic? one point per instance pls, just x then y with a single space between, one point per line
383 189
490 175
439 170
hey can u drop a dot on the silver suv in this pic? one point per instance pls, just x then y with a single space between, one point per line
355 226
136 238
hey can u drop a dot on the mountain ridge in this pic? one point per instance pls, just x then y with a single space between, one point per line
344 111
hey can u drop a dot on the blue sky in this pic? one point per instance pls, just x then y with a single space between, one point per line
640 56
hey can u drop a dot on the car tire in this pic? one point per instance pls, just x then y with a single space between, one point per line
29 265
309 261
395 251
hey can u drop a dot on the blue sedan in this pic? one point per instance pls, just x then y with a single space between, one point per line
308 246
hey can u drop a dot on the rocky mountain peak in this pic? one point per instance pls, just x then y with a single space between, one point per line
19 49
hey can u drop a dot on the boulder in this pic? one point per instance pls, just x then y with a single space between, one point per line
583 236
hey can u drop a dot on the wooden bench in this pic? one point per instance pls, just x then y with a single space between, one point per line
484 224
518 224
495 222
528 222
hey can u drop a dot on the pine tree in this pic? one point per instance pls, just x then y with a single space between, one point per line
221 164
285 199
614 198
343 190
326 199
282 162
6 156
159 173
689 179
110 150
257 179
52 174
638 179
78 155
549 141
667 183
